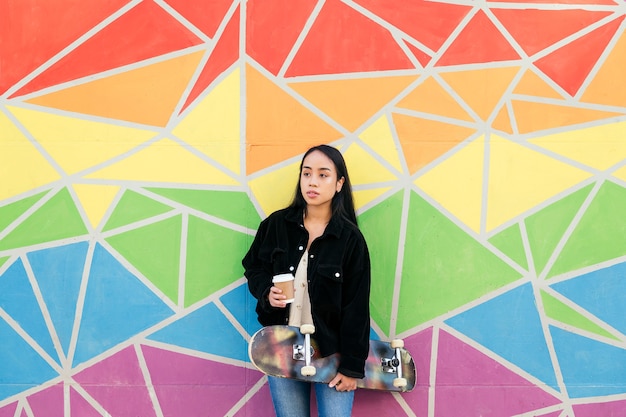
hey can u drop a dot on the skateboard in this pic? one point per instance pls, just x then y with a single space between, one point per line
280 351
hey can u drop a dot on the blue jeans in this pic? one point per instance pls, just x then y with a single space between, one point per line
293 399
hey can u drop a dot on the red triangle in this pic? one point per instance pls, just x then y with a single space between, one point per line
273 27
436 20
605 2
33 26
570 65
365 46
145 31
206 15
536 29
479 42
226 52
421 56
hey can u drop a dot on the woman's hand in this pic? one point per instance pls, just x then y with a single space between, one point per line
343 383
276 298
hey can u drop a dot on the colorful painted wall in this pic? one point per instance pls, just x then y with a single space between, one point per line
141 143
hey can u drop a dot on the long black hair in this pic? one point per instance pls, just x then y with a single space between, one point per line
342 203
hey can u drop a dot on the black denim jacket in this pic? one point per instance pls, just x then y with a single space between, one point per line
338 274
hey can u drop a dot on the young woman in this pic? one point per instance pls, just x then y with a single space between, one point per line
317 239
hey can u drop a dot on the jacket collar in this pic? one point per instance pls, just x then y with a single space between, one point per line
296 215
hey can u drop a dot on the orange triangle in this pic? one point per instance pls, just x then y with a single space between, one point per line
425 140
146 95
605 88
481 89
352 102
430 97
532 85
278 127
502 121
533 117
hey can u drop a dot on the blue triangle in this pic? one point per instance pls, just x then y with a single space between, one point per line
242 304
59 273
18 300
205 330
590 368
117 306
22 368
602 293
510 326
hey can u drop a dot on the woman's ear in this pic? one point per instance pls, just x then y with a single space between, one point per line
340 182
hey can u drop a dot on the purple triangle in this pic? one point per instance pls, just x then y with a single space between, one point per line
608 409
48 402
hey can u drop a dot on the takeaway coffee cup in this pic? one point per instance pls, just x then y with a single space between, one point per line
285 283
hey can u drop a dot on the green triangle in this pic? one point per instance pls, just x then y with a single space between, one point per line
56 219
3 260
155 251
214 255
444 268
134 207
232 206
509 241
381 227
12 211
546 227
561 312
600 235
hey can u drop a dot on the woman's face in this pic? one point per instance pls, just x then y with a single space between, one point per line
318 180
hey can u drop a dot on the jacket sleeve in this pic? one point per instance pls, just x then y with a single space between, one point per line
355 316
256 270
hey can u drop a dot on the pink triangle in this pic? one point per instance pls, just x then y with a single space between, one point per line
118 384
608 409
80 407
420 346
262 400
47 402
9 410
485 387
183 383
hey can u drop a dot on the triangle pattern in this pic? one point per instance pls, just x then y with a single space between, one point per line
205 15
458 268
48 402
241 304
482 89
379 137
80 407
570 65
502 121
364 168
603 88
275 189
143 32
511 394
12 211
164 161
423 141
351 102
213 125
510 242
510 332
133 207
95 200
117 382
517 180
146 95
479 41
443 18
274 116
544 30
536 116
224 54
532 84
65 137
320 53
430 97
365 197
606 408
18 163
112 297
380 226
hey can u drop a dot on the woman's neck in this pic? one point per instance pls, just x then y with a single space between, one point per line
317 215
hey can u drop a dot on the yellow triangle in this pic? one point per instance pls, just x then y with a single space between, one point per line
22 167
481 89
380 138
363 197
275 189
77 144
213 126
165 161
600 147
521 178
364 168
457 183
96 200
620 173
351 102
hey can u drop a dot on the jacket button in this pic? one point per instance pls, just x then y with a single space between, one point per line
337 274
300 247
291 268
312 256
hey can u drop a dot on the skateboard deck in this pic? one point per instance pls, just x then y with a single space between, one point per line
279 351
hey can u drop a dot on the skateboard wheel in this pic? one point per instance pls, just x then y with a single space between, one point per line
397 343
307 329
308 371
399 382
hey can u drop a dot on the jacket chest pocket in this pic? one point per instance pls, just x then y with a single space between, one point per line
328 287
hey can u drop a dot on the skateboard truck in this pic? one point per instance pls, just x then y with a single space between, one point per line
394 365
307 330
